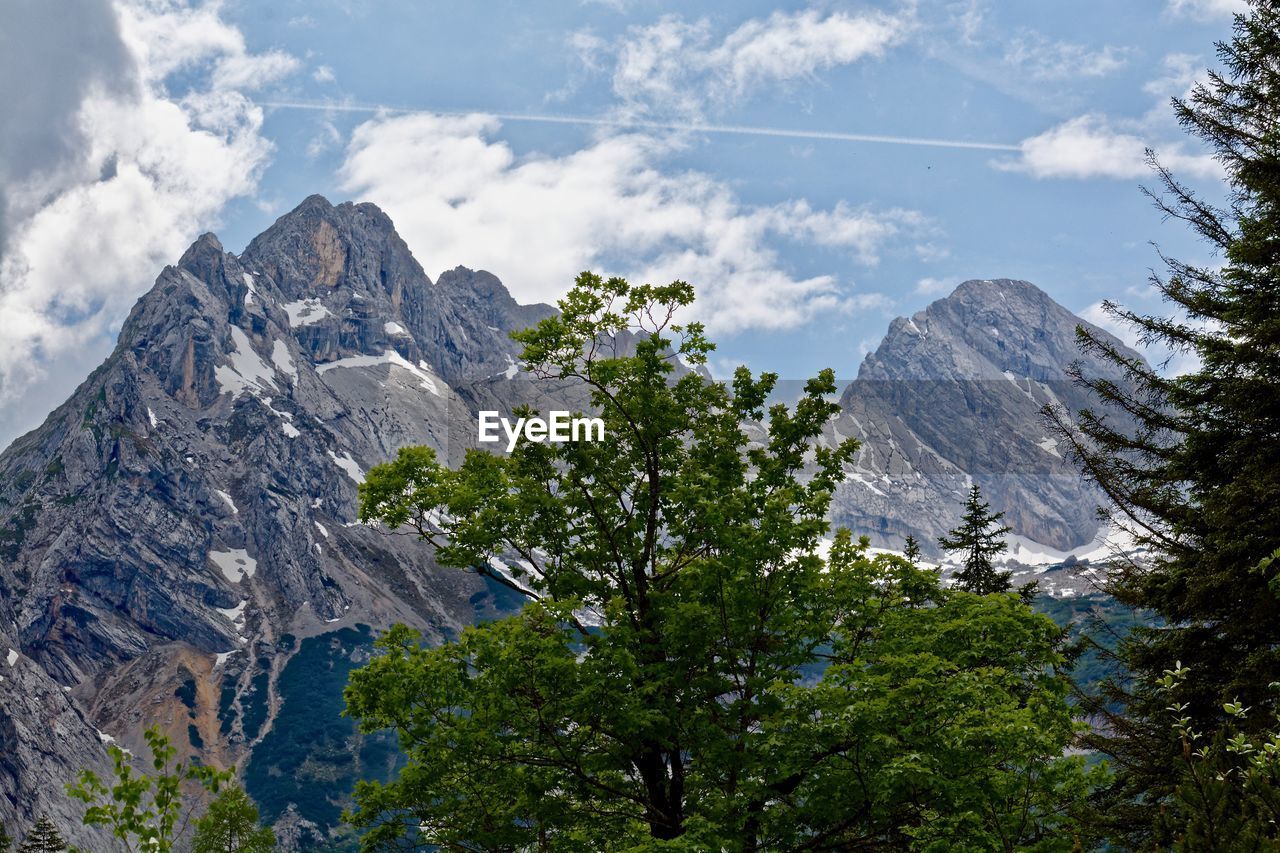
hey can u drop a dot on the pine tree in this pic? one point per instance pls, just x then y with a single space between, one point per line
1198 482
6 841
979 537
43 838
912 550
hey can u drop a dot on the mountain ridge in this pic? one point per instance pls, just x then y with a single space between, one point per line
181 531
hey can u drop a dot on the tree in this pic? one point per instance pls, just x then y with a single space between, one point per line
231 826
43 838
1196 483
5 840
911 550
1228 785
143 811
688 671
979 538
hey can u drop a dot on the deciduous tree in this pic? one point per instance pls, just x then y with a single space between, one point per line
689 672
143 811
231 826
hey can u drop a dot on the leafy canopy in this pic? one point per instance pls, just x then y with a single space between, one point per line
231 826
690 671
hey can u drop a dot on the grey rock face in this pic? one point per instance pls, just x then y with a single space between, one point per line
194 501
953 396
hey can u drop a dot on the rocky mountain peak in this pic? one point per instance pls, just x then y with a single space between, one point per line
188 516
316 247
984 329
953 395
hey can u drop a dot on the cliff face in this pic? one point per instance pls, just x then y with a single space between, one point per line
172 532
952 396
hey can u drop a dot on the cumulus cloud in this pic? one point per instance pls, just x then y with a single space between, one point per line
1092 146
143 171
680 67
1206 9
40 134
460 196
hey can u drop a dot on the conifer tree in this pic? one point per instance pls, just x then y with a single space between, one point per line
979 538
43 838
5 840
1198 483
912 550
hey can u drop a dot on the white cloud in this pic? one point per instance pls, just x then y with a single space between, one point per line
791 46
678 66
460 197
935 286
323 74
171 35
1181 72
1206 9
967 17
1041 59
1091 146
156 169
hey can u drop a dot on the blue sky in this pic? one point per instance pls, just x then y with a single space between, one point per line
802 249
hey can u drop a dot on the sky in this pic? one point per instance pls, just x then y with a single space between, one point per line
814 169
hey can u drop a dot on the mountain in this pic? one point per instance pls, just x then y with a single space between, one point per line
178 540
953 396
175 533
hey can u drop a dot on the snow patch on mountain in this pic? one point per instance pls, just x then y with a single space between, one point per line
235 564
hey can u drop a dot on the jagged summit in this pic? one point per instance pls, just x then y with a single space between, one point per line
952 396
318 245
983 329
193 503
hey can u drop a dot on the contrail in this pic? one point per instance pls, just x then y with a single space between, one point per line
695 127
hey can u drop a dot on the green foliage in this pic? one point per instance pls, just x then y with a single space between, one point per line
231 826
43 838
254 705
689 672
1197 481
1095 625
1228 786
6 841
143 810
911 550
